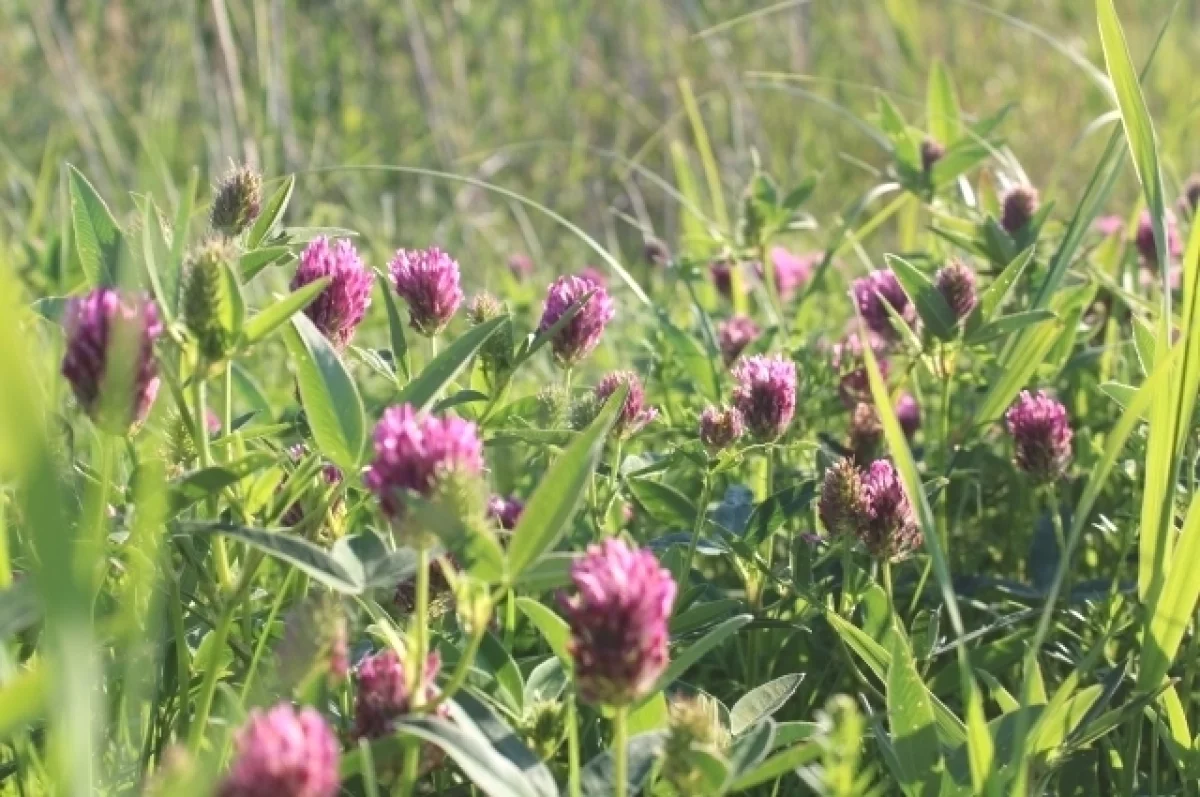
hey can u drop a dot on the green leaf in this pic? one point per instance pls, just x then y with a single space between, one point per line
276 314
1060 718
493 773
942 106
305 556
696 651
552 627
1008 324
231 309
777 766
163 283
649 715
23 699
751 747
599 775
97 236
551 571
425 386
930 303
556 499
472 714
494 660
663 503
896 129
200 484
911 719
691 357
272 213
475 546
769 516
547 681
330 398
762 701
253 262
395 328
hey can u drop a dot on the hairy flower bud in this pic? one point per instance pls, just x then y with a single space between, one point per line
496 356
843 506
428 281
1018 207
1042 434
207 297
552 402
956 284
694 726
765 395
720 428
237 202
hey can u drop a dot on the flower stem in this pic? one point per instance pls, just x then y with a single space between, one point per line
574 784
200 418
685 567
886 568
416 660
620 751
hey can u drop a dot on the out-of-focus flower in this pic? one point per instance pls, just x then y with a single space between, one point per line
1109 225
720 428
932 151
579 337
618 620
1189 202
237 202
1146 245
734 335
505 510
428 281
340 308
791 271
908 412
1042 434
384 694
847 359
286 752
765 394
521 266
657 253
956 283
866 431
721 272
107 328
872 292
594 276
635 415
1018 207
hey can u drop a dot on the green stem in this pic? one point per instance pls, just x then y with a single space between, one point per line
685 567
847 560
212 674
265 637
220 554
5 558
768 267
459 677
944 498
886 569
574 780
620 751
183 671
420 647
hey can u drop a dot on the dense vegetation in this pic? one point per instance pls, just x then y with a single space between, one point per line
557 399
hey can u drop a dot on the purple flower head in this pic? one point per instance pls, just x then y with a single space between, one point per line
1109 225
956 284
618 619
932 151
96 323
908 412
720 428
1042 434
847 358
383 694
891 531
734 335
521 266
791 271
866 431
1018 207
286 752
843 505
580 336
765 394
1146 245
427 279
414 450
505 510
634 414
871 292
339 309
721 272
594 276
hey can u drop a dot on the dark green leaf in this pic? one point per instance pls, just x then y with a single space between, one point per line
272 213
278 313
97 236
286 547
425 386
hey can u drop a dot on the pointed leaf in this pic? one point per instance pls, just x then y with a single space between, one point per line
97 236
278 313
425 386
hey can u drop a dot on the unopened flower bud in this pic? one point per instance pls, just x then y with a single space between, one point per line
237 202
956 284
932 151
1019 206
207 295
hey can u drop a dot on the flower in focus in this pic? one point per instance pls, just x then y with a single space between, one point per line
415 451
107 328
872 292
286 752
428 281
791 271
891 531
734 335
1144 239
634 414
237 202
1042 434
932 151
720 428
618 620
956 284
843 506
339 309
908 412
765 394
505 510
1018 207
579 336
383 693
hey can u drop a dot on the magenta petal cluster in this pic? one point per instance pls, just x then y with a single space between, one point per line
908 412
870 294
791 270
618 620
635 415
579 336
890 531
339 309
1042 434
414 449
428 281
734 335
765 394
505 510
285 752
720 428
383 694
1146 245
97 322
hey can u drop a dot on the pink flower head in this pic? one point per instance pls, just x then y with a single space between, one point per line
847 358
956 284
383 694
721 272
284 751
580 336
505 510
734 335
908 412
634 414
94 323
1042 434
891 530
413 450
1146 245
720 428
521 266
339 309
427 279
618 619
791 271
871 292
1109 225
594 276
765 394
